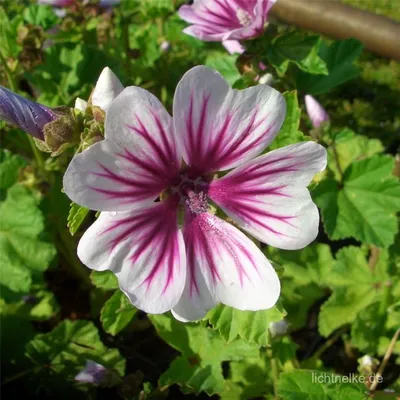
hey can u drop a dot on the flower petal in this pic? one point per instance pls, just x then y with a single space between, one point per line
233 46
107 88
218 128
145 249
135 162
268 196
223 265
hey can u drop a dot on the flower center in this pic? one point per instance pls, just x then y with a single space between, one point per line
191 190
197 202
244 17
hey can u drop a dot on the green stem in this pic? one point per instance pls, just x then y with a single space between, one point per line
329 343
68 248
9 75
275 374
37 154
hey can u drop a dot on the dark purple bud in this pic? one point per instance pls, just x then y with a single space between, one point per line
27 115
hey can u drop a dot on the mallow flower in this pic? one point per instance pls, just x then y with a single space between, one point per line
226 20
315 111
27 115
158 181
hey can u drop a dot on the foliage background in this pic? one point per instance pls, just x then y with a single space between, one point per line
340 295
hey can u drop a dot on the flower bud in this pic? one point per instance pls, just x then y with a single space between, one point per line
107 88
315 111
97 374
278 328
27 115
165 46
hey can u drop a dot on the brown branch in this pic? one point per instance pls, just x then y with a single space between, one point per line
340 21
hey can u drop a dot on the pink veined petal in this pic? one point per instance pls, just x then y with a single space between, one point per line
233 46
145 249
223 265
134 164
268 196
218 128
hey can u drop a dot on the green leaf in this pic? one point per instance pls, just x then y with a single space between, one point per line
40 14
349 147
10 165
305 385
104 280
8 35
23 254
355 287
76 216
309 265
116 313
339 58
365 207
203 351
289 133
252 326
69 345
297 48
249 378
225 64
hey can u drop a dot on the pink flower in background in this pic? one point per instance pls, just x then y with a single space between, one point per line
315 111
57 3
153 178
220 20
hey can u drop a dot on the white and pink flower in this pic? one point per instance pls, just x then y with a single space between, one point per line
226 21
154 178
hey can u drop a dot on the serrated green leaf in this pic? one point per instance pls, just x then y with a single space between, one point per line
225 64
309 265
76 216
289 133
104 280
8 34
203 350
305 385
116 313
297 48
249 378
69 345
23 255
355 286
10 165
366 205
339 58
252 326
40 14
350 147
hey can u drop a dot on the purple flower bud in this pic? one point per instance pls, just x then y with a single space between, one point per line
92 373
315 111
27 115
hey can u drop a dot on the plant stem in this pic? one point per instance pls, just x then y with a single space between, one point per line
329 343
10 78
385 360
275 374
37 154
